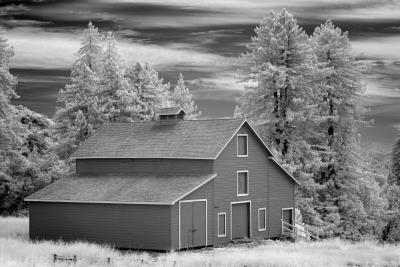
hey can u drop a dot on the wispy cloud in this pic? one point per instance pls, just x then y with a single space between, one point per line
36 48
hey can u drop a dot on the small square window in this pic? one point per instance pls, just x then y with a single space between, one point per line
242 145
222 224
262 219
242 183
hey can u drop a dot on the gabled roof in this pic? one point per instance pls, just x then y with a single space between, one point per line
193 139
170 111
284 170
117 189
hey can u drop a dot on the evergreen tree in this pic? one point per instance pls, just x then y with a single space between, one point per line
118 101
277 67
339 114
152 93
278 71
182 97
392 228
395 168
78 115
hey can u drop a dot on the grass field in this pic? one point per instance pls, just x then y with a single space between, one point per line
16 250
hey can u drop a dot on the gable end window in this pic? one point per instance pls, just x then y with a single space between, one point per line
222 224
242 183
262 219
242 145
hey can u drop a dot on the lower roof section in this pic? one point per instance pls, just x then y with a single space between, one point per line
117 189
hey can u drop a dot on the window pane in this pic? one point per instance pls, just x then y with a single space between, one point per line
221 224
261 219
242 145
242 183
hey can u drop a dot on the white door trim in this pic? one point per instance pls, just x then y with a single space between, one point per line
239 202
179 223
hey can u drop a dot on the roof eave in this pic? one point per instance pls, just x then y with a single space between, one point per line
96 202
283 169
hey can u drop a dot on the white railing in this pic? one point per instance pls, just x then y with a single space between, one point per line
303 230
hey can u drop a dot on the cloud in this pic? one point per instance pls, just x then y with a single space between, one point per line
379 47
13 9
36 48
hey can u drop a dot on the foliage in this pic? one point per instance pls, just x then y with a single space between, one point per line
278 70
27 158
303 93
182 97
392 229
150 89
78 116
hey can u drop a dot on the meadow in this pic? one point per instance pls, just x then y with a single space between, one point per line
17 250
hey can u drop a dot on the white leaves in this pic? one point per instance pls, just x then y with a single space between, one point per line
182 97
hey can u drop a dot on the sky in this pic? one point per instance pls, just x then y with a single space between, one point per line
202 39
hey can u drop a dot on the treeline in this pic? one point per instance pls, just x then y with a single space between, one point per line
35 151
303 93
102 88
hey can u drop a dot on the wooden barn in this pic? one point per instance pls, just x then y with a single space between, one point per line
167 184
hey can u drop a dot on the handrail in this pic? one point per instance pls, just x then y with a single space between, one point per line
295 229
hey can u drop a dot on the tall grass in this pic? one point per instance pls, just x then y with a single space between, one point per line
17 250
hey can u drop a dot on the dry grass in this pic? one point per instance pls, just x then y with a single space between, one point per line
17 250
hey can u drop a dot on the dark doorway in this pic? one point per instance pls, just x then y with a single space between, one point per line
287 217
240 220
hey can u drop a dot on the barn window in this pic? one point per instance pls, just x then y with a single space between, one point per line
222 224
242 183
242 145
262 219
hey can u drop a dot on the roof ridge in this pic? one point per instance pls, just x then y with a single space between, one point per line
213 119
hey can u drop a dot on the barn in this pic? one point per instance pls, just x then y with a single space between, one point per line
167 184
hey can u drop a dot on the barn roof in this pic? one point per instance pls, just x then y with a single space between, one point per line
170 111
117 189
195 139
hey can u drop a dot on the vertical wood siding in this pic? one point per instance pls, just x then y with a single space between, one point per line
281 196
124 226
150 166
205 192
225 184
269 187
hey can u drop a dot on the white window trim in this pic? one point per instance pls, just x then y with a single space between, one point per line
265 220
237 183
237 145
222 213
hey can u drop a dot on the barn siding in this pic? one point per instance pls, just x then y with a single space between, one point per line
125 226
281 196
225 184
149 166
204 192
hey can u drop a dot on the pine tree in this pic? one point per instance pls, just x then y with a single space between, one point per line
391 231
152 93
339 113
78 115
117 100
276 68
395 168
278 71
182 97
